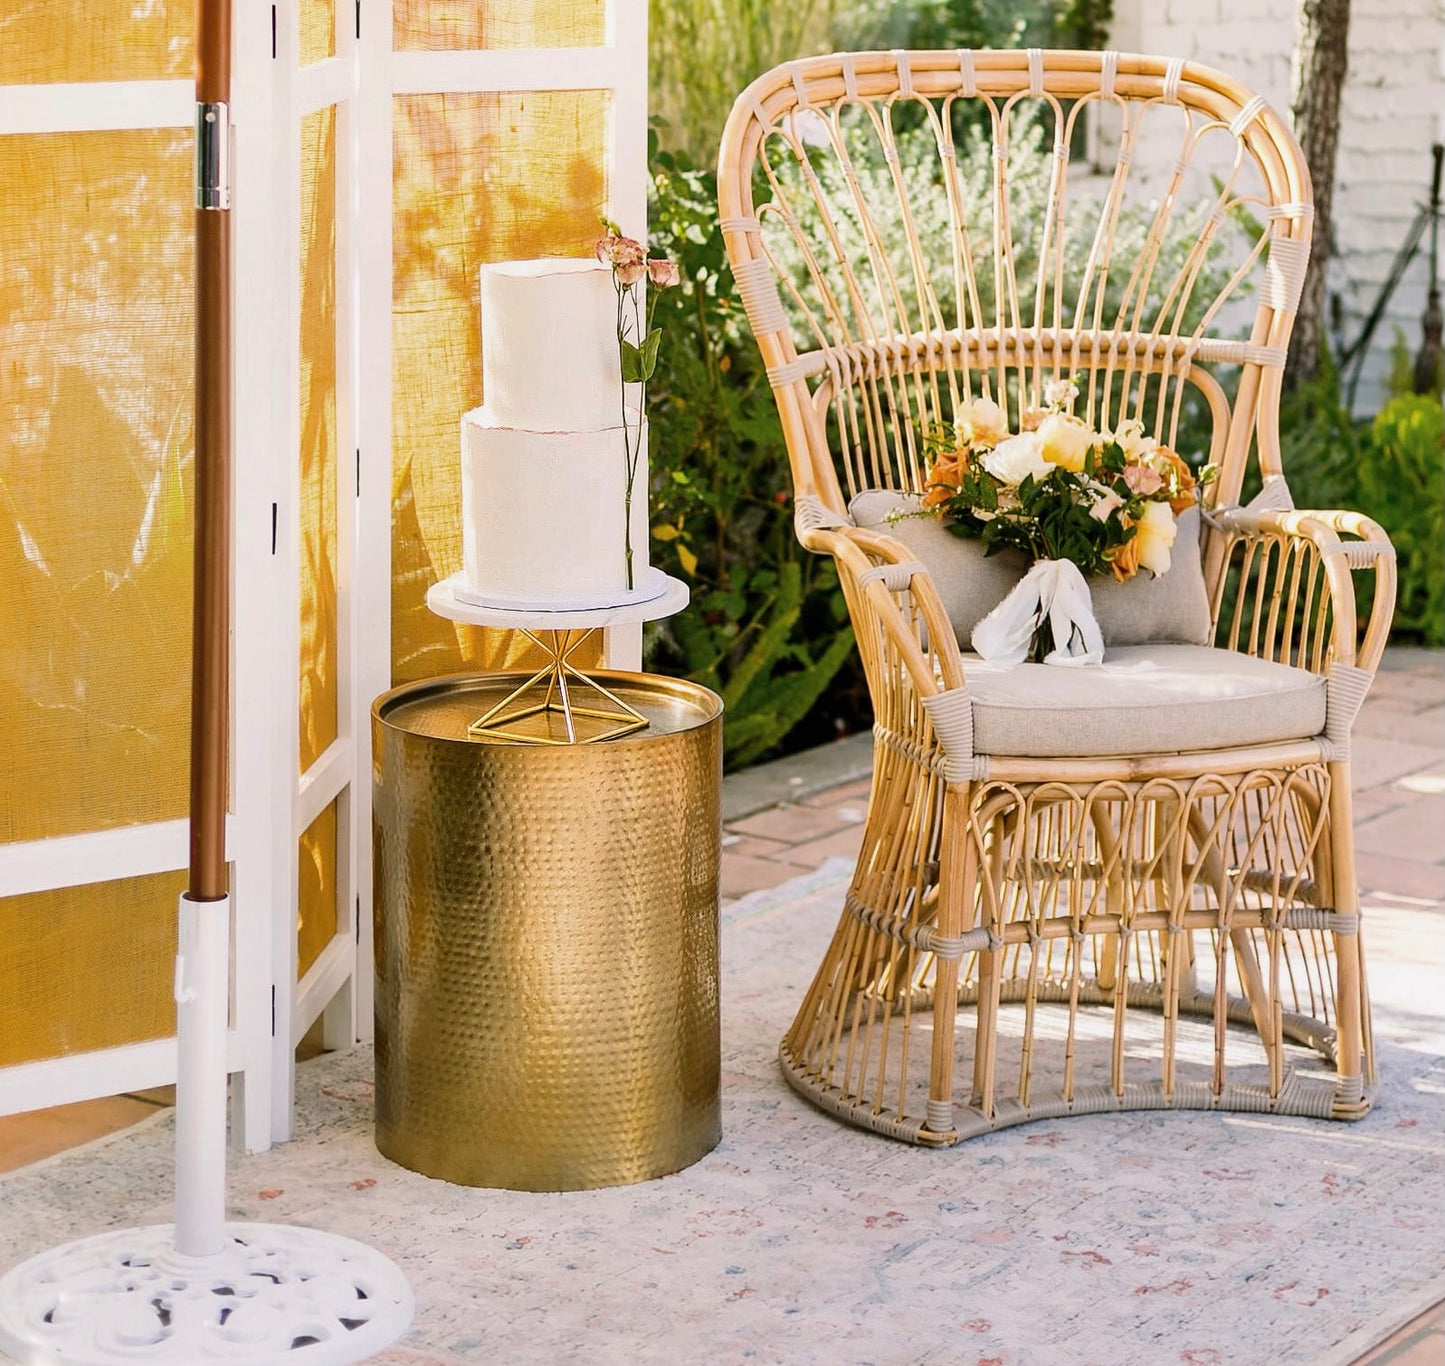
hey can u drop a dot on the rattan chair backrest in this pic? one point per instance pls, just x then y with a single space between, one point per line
909 230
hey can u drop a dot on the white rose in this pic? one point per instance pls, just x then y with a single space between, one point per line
1155 532
982 422
1015 459
1130 436
1059 393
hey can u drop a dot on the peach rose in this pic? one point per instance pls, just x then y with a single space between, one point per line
942 479
1066 440
1155 537
1142 480
981 422
663 273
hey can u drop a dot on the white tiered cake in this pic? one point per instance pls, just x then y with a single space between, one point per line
544 459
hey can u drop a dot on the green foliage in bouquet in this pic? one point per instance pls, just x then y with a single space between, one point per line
768 626
1053 517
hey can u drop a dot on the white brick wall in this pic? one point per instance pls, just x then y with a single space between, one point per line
1394 108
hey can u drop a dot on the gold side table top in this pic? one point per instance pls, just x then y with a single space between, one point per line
546 939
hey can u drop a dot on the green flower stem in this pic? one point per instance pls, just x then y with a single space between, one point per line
632 446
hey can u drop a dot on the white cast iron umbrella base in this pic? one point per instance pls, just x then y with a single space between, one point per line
274 1295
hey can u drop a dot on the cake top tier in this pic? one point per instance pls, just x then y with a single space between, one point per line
549 346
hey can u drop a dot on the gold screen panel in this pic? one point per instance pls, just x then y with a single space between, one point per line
43 41
318 30
466 25
316 890
318 663
96 283
87 967
477 178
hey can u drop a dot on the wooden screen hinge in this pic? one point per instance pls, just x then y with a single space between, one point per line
273 33
273 528
213 156
273 1012
358 471
358 19
358 920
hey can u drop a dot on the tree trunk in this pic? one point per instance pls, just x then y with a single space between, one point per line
1319 80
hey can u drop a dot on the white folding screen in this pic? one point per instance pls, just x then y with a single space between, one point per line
285 783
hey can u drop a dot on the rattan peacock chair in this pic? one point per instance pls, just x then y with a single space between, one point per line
1079 890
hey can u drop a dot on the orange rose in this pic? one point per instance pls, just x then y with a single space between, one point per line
1032 419
942 479
1176 468
1124 559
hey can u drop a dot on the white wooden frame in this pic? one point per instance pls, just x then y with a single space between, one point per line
271 806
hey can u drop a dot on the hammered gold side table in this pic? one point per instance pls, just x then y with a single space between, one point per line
546 940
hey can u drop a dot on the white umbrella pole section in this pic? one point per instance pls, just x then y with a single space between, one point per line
202 1290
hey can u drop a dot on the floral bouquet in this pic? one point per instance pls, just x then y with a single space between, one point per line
637 338
1075 500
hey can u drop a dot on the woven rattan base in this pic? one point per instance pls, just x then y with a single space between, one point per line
1146 944
546 942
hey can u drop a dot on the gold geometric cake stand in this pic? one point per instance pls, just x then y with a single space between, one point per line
558 704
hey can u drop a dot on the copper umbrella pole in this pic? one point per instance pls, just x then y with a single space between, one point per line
203 970
211 621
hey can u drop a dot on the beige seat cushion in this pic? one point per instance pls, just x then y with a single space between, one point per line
1144 610
1146 699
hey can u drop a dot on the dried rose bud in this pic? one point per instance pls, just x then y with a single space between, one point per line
663 273
630 272
617 251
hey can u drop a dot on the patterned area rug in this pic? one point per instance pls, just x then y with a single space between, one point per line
1148 1238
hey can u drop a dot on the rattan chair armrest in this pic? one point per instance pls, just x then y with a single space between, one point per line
1369 549
945 667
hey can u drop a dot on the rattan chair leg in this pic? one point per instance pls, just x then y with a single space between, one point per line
958 877
1349 980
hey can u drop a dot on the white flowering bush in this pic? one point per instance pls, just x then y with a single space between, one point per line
914 191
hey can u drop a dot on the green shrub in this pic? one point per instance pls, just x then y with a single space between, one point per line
1402 486
701 53
1393 470
768 628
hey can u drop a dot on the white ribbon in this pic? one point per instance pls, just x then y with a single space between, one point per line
1052 589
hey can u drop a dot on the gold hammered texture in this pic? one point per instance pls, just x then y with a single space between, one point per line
546 941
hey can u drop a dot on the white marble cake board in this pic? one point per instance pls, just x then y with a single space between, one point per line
442 599
652 584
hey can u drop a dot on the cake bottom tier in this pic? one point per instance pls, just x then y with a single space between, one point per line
544 514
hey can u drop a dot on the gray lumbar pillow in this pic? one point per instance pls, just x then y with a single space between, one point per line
970 583
1172 609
